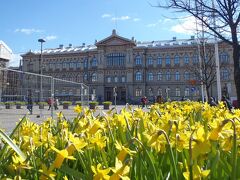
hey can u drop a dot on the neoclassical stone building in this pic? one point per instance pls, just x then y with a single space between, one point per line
133 69
5 57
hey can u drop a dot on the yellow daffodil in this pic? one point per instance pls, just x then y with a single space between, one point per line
78 109
120 171
197 173
46 173
123 151
76 143
61 155
99 173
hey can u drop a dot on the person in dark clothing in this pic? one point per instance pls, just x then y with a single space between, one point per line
227 102
30 104
212 102
144 101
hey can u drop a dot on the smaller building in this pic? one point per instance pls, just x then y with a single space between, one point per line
5 57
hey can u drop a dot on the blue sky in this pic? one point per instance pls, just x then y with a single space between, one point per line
23 22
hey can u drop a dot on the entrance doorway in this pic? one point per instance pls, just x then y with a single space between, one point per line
120 98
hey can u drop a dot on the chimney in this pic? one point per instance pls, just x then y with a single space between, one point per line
174 38
70 45
61 46
83 44
132 38
95 41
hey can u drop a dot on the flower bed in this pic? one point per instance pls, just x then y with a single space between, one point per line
173 140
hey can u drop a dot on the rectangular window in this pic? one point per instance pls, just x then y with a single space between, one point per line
138 92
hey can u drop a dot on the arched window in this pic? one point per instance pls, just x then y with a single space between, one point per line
115 79
150 76
85 63
138 60
176 60
72 65
168 60
94 62
168 76
78 78
94 77
186 75
177 76
150 60
195 59
178 92
159 60
123 79
159 92
150 92
159 76
186 59
109 79
225 75
187 91
85 77
138 76
78 64
116 59
65 65
224 57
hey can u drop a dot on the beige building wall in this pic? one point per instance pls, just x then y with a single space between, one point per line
91 64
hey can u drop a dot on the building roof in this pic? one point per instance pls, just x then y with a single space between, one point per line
137 44
5 51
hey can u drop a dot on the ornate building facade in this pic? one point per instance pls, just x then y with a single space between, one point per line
130 69
5 57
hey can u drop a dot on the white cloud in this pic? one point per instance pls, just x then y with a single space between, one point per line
121 18
52 37
106 15
28 31
15 60
152 25
185 26
136 19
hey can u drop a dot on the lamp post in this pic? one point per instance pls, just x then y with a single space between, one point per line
40 68
115 96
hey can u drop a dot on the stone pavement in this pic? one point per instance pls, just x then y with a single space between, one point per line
10 117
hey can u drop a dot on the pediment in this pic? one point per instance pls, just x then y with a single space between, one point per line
115 40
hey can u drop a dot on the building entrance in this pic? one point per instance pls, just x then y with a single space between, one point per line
120 98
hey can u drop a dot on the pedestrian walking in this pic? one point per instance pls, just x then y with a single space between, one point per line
30 104
50 103
212 102
56 103
227 103
144 101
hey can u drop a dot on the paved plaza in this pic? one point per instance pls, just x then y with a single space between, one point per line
10 117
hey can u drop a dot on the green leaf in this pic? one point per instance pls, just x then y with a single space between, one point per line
12 145
72 172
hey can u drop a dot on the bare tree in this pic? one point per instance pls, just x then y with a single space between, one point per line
205 71
226 14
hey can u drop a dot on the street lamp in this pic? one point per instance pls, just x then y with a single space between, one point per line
115 96
40 68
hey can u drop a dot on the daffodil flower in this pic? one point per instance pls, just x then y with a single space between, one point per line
78 109
46 173
61 155
123 151
99 173
120 171
197 173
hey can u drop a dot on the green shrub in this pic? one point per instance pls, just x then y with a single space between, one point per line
78 103
20 103
9 103
107 103
67 103
93 103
